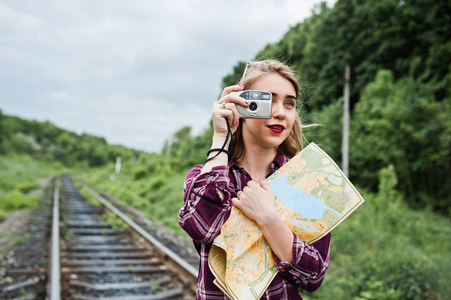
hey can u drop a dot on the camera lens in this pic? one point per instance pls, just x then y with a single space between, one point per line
253 106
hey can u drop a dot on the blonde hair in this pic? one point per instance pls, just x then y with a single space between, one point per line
293 143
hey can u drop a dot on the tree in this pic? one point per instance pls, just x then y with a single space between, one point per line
235 76
399 123
401 120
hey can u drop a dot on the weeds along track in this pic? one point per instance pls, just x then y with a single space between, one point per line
93 260
24 250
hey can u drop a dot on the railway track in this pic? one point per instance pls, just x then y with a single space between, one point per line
93 260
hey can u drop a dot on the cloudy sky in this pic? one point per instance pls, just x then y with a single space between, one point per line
135 71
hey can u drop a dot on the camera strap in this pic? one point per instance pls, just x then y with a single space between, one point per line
223 149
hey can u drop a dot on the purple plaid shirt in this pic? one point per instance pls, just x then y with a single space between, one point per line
204 213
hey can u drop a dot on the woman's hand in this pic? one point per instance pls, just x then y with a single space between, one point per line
225 107
256 201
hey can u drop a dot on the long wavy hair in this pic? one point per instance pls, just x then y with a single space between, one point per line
293 143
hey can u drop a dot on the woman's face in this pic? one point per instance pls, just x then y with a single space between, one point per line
270 133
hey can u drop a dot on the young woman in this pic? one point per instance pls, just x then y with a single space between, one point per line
260 147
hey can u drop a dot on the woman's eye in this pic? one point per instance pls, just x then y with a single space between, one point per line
290 104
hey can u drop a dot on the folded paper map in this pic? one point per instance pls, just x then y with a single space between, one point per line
313 196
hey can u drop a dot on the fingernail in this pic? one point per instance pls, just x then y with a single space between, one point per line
237 123
247 102
264 179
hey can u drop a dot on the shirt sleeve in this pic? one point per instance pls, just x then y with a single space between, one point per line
309 264
204 211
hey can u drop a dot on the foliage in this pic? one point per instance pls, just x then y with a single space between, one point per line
399 53
369 35
115 221
158 194
15 200
392 122
47 142
185 151
400 58
328 134
387 251
19 177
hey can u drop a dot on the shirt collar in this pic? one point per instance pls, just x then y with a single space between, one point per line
278 161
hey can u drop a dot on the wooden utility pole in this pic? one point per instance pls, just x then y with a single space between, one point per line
345 142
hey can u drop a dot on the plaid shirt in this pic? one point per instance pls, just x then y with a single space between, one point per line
204 213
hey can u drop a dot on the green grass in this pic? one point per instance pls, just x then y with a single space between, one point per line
115 221
159 197
86 194
156 286
384 250
20 175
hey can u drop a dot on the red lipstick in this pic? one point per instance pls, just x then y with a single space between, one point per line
276 128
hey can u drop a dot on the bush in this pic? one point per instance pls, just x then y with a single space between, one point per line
27 187
157 183
140 174
386 250
2 216
15 200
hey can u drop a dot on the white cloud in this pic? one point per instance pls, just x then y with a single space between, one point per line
133 72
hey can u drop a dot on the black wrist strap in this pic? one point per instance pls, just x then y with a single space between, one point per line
223 149
219 150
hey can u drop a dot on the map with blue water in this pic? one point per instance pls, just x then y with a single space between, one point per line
312 197
307 206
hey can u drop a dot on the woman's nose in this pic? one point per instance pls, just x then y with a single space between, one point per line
278 111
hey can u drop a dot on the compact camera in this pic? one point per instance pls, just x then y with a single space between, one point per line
260 105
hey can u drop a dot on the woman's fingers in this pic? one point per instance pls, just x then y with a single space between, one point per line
237 202
230 97
246 189
235 116
226 108
252 184
218 114
232 88
265 185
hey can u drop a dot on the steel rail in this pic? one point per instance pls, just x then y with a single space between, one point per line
55 284
190 273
